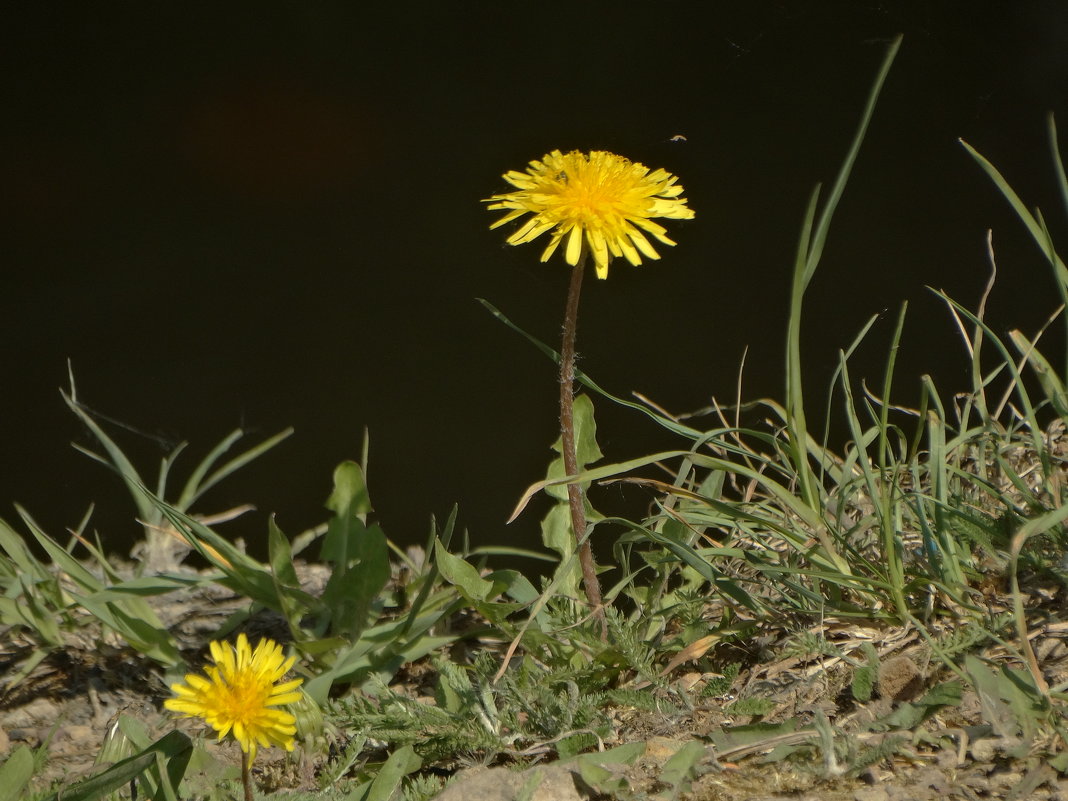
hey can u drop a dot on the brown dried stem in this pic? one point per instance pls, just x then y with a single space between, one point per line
575 494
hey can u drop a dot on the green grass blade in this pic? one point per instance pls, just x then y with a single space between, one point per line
1018 386
795 401
819 236
165 469
1062 179
119 462
1022 212
836 377
60 557
15 774
879 494
586 381
400 763
1048 379
813 238
131 617
176 748
18 552
888 381
192 486
195 487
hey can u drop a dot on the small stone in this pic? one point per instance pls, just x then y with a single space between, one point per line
1060 791
541 783
30 736
661 749
984 750
77 733
947 759
989 748
1004 781
39 711
896 793
933 779
900 679
688 681
871 794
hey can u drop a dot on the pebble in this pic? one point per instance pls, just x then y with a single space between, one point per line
871 794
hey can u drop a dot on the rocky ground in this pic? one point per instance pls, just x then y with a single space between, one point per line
69 702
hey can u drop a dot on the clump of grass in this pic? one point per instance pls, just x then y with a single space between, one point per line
933 517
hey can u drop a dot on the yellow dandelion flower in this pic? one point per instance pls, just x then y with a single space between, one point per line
238 693
601 198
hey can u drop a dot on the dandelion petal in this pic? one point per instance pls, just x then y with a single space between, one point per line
597 200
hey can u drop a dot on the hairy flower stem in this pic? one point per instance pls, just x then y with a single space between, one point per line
246 779
575 495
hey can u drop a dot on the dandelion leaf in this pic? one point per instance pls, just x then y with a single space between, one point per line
586 448
683 767
463 575
556 534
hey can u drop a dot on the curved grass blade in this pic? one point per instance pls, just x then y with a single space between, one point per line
586 381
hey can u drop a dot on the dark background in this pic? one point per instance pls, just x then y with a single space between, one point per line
268 214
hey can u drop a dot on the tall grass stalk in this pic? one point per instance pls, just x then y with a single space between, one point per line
1034 223
810 249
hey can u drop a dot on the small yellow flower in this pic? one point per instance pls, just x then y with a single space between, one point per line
238 693
601 197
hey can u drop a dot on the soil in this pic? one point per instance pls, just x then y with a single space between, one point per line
71 700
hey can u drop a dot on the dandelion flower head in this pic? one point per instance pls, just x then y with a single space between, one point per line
238 694
600 198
